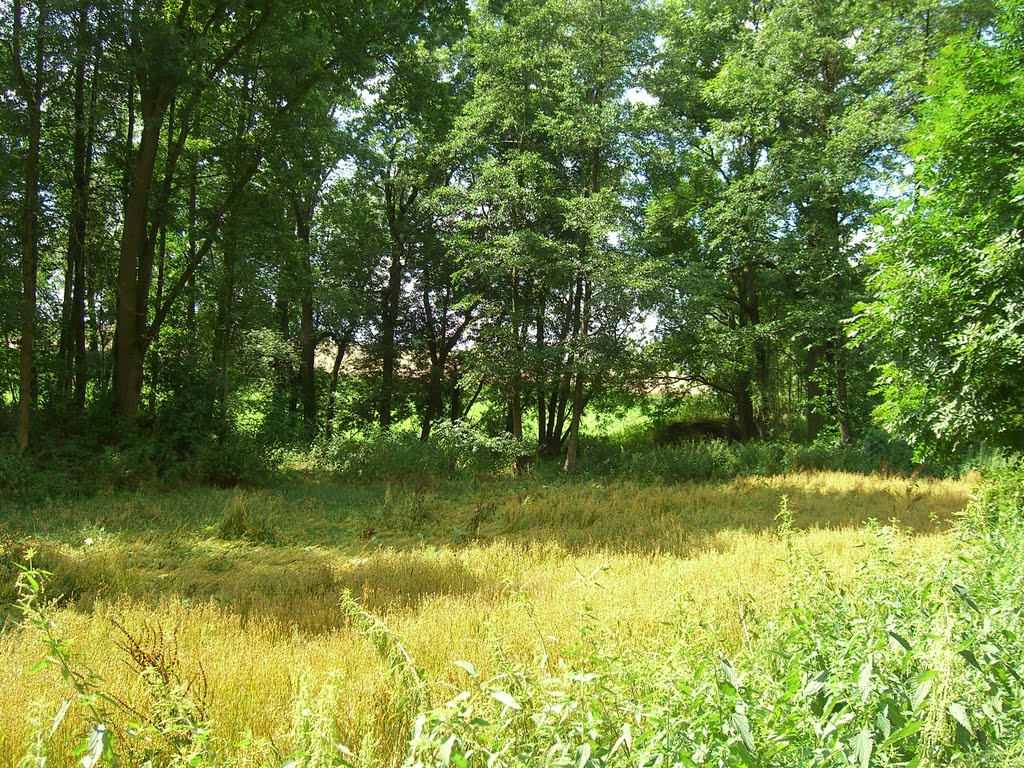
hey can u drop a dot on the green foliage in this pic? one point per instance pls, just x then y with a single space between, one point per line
453 450
718 460
946 318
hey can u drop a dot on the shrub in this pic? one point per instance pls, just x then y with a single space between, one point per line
453 450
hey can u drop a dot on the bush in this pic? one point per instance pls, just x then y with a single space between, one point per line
453 450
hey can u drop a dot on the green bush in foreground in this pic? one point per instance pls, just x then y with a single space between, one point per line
910 665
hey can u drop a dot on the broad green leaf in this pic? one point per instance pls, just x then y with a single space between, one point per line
900 734
959 713
742 725
863 744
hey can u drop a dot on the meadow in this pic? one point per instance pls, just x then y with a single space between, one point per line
238 593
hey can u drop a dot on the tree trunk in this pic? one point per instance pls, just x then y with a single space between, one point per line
746 422
572 449
29 272
812 390
435 396
307 333
389 323
79 294
193 246
332 392
32 94
226 321
129 344
155 369
540 378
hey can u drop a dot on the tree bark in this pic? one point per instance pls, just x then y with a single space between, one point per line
389 322
397 211
332 392
572 449
812 390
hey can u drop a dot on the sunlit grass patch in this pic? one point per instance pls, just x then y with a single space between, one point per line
488 573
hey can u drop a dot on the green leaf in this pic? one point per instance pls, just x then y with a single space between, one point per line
585 752
742 725
962 593
730 674
506 699
959 713
864 680
815 685
445 750
921 689
900 639
468 667
900 734
863 745
98 746
968 655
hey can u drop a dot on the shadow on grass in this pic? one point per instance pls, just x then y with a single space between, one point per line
296 587
395 547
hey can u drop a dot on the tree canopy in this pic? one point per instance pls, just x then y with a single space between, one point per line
300 220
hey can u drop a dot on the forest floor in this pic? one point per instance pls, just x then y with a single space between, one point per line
241 587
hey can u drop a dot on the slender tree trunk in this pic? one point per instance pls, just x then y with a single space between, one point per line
332 392
79 293
572 449
29 272
73 308
193 246
307 333
129 344
32 94
837 365
541 422
155 368
455 412
226 321
389 322
812 390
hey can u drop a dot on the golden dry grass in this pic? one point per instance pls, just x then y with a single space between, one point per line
515 569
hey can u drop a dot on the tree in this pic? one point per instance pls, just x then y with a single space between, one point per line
29 58
537 206
945 315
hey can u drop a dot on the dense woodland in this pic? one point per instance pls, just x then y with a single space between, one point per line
292 221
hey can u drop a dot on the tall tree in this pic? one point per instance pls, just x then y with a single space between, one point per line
945 317
28 45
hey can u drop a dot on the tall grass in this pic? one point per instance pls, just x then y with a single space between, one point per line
510 577
909 664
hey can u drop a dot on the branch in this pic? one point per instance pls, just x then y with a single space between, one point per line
202 251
